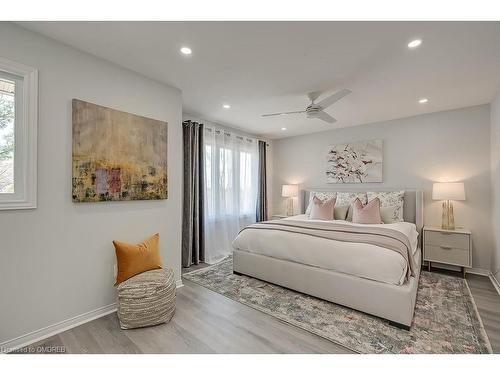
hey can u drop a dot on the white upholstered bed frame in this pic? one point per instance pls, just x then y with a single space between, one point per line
393 302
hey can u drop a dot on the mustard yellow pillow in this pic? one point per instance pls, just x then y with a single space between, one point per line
135 259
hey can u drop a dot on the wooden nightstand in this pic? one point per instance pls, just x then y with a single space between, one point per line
453 247
278 217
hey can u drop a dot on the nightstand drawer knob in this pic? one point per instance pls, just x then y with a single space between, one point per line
446 247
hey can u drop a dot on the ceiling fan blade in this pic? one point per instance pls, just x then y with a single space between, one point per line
325 117
325 103
314 95
282 113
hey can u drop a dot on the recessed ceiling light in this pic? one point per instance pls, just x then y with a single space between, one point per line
423 100
226 106
283 129
415 43
186 50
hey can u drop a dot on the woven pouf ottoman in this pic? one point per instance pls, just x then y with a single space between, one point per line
146 299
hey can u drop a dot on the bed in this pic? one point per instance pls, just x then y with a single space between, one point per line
371 268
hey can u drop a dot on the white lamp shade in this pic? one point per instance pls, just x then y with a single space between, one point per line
453 191
289 191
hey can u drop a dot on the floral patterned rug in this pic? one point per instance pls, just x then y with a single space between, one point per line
445 321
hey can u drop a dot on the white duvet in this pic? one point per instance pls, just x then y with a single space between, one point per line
358 259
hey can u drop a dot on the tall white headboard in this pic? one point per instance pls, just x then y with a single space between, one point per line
413 209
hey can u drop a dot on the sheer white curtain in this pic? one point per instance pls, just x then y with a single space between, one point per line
231 182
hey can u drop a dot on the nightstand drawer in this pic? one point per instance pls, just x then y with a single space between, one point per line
448 255
454 240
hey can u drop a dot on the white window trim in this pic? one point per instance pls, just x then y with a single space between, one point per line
27 157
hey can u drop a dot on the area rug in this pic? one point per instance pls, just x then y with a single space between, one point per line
446 319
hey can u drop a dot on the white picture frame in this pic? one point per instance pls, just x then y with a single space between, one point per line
356 162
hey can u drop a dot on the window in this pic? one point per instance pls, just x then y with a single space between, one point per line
7 116
248 180
230 180
230 184
18 127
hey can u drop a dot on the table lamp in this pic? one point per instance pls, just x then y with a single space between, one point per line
289 191
448 191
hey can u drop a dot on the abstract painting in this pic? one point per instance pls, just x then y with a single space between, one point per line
117 156
354 162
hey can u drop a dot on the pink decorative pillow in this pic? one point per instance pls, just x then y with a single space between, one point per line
322 210
369 214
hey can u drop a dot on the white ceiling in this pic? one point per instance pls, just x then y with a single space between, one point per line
263 67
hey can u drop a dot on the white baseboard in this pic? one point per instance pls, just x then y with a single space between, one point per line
479 271
487 273
495 282
54 329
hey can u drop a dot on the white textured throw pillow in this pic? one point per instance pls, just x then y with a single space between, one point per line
346 199
322 195
391 205
390 214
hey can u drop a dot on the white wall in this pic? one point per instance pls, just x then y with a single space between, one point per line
56 261
451 145
495 181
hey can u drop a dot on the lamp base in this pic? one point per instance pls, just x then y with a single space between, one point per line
289 207
448 218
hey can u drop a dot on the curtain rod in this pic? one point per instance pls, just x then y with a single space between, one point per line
209 128
237 136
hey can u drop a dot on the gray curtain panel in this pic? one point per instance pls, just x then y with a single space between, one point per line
262 191
193 238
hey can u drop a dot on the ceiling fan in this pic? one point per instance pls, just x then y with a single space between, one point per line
317 110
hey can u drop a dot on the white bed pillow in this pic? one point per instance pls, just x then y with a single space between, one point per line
323 195
340 212
345 199
391 205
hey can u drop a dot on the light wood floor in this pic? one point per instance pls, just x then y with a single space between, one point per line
206 322
488 304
